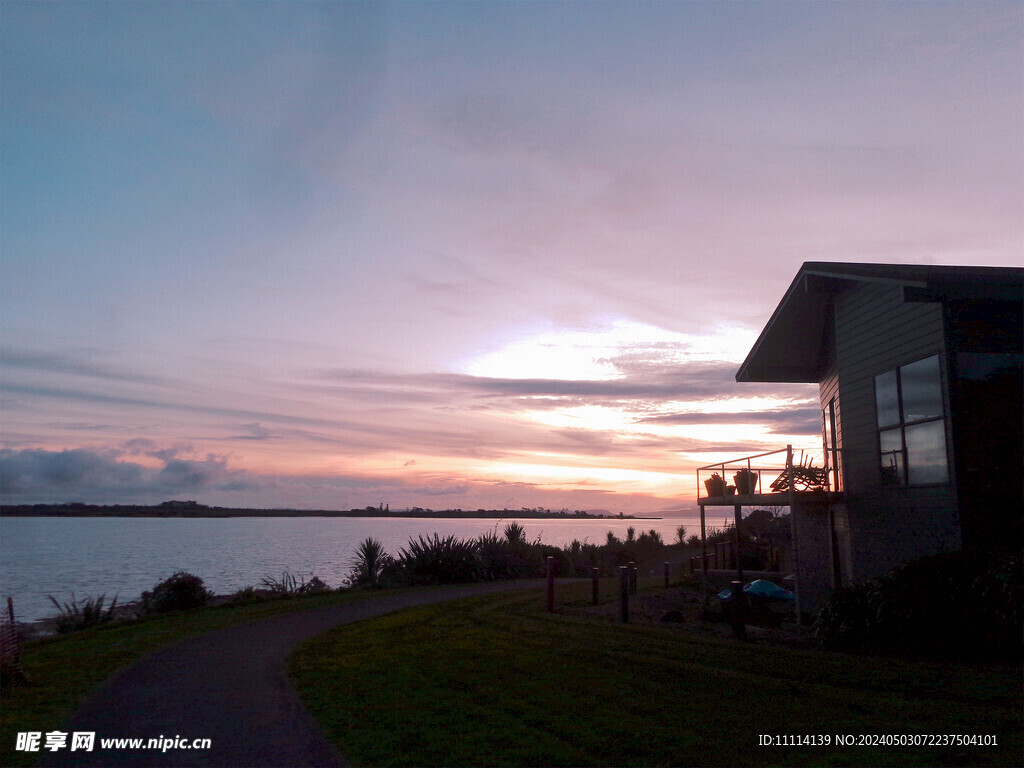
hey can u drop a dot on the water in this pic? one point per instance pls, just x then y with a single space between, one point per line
41 556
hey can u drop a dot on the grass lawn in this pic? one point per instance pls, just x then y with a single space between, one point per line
63 670
499 681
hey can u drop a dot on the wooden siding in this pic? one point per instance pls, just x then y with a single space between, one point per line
877 331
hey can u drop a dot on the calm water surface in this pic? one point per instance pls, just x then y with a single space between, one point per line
41 556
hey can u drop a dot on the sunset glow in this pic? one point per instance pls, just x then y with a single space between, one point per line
460 255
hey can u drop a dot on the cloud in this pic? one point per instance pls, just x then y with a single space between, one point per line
642 379
79 426
255 431
58 363
795 421
26 472
85 474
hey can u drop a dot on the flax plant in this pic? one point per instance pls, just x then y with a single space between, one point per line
368 564
77 615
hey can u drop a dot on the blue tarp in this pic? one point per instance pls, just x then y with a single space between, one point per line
762 588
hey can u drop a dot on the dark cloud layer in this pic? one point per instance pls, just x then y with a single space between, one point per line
83 474
59 363
695 380
105 477
798 421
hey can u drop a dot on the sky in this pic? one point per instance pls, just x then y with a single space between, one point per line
460 255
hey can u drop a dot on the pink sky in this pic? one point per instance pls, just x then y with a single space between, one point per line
460 254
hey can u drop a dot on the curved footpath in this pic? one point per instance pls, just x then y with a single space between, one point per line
229 686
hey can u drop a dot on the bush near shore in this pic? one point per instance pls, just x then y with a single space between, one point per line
491 557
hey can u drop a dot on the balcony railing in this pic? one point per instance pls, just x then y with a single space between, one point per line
764 478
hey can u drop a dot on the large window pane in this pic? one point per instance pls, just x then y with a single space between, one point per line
891 449
922 390
926 453
887 399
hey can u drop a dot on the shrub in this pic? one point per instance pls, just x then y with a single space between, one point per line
510 556
246 596
286 585
315 586
652 539
440 561
515 533
846 621
581 557
563 560
368 564
495 556
82 615
290 584
948 605
180 592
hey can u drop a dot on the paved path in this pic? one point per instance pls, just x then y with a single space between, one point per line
229 686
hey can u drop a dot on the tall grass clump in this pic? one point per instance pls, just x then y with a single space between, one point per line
368 564
495 556
77 615
515 533
292 584
179 592
949 605
435 560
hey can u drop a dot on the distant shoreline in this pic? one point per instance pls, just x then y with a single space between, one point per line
194 510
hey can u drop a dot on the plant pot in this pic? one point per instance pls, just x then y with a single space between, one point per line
715 486
746 482
730 490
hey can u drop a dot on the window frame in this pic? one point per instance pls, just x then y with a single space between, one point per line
833 450
899 429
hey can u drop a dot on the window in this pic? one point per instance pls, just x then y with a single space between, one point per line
911 424
833 455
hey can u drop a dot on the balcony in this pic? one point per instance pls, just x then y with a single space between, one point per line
772 479
777 478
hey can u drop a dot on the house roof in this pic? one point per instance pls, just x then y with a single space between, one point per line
793 347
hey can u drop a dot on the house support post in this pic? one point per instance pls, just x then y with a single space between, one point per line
738 602
738 516
704 553
792 529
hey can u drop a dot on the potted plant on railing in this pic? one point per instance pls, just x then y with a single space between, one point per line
746 481
715 485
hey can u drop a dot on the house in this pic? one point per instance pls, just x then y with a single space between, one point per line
919 373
